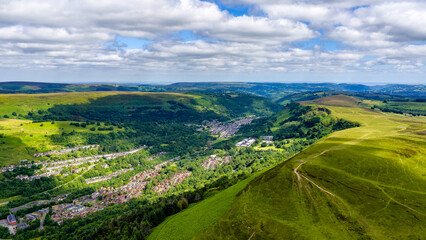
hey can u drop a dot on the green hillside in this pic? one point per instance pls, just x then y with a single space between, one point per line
359 183
198 216
41 122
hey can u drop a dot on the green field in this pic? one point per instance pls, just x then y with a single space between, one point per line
22 137
361 183
198 216
415 108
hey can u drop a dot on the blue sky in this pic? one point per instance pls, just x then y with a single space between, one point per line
163 41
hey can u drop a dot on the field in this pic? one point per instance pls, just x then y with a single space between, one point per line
412 107
21 138
360 183
24 103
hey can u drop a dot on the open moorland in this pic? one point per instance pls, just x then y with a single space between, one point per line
360 183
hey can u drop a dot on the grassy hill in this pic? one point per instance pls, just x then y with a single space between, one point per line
30 122
360 183
199 216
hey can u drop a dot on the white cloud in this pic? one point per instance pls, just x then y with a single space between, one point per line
73 33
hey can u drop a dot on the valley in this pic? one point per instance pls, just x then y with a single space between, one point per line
353 184
110 161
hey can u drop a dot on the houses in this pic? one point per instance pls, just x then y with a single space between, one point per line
75 208
227 129
60 197
246 142
164 185
31 217
22 225
11 220
107 177
106 196
35 215
156 156
68 150
267 138
213 161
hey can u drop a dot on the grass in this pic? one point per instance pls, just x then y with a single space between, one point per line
360 183
4 201
259 147
24 103
22 138
198 216
417 108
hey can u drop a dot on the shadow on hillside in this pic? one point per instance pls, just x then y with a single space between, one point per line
133 108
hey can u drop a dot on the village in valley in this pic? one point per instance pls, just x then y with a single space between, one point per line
60 210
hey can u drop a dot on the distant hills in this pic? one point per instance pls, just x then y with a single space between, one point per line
270 90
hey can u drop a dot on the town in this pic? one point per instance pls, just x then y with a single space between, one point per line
225 130
214 160
51 168
68 150
105 196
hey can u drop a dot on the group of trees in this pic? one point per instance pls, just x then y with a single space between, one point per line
298 121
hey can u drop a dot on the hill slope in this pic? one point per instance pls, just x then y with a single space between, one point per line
20 137
360 183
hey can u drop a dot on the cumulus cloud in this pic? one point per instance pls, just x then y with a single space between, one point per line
286 36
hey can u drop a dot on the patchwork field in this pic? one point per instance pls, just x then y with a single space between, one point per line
361 183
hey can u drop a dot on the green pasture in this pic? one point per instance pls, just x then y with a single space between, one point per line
24 103
21 138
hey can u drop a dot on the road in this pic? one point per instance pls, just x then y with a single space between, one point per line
42 221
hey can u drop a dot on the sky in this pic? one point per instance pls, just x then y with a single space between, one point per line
165 41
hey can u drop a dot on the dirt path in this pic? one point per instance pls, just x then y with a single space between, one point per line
352 142
300 176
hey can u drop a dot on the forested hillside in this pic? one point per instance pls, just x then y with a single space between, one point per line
44 122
